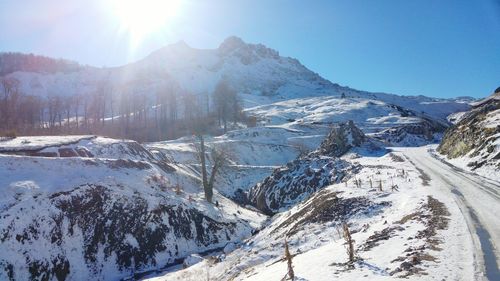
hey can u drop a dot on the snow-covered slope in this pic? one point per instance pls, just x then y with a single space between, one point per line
403 224
106 215
295 127
474 142
304 176
65 190
393 124
253 154
413 230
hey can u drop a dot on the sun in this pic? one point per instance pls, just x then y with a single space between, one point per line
141 18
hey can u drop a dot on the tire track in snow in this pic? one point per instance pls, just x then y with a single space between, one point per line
480 216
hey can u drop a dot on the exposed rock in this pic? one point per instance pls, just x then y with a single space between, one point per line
341 139
414 134
385 234
247 53
67 152
476 135
434 216
109 229
294 183
302 177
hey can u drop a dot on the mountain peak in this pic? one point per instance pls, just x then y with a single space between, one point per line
246 52
231 43
179 45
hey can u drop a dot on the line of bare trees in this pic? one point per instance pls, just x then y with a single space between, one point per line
123 111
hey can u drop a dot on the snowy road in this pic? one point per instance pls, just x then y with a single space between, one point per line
478 199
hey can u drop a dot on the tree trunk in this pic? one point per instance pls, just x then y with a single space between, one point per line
288 258
206 187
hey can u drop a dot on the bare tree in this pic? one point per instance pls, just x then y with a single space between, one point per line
288 258
11 93
171 97
86 104
76 107
226 103
219 158
111 97
157 106
349 244
67 103
124 111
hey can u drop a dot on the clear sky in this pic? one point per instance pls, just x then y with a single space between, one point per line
441 48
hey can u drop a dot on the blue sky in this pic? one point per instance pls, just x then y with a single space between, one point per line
441 48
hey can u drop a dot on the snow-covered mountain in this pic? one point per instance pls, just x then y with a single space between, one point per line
87 207
254 70
259 74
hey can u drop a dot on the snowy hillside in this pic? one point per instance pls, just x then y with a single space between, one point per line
107 214
304 176
390 123
474 142
110 209
402 223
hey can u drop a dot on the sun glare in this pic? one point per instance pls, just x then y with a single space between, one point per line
142 18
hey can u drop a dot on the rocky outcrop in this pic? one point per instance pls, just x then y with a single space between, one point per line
247 53
296 181
341 139
413 134
96 231
304 176
477 135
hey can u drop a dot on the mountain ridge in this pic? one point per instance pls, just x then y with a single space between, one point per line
231 51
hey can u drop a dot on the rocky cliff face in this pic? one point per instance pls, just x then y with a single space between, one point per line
476 137
304 176
97 231
416 134
296 181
